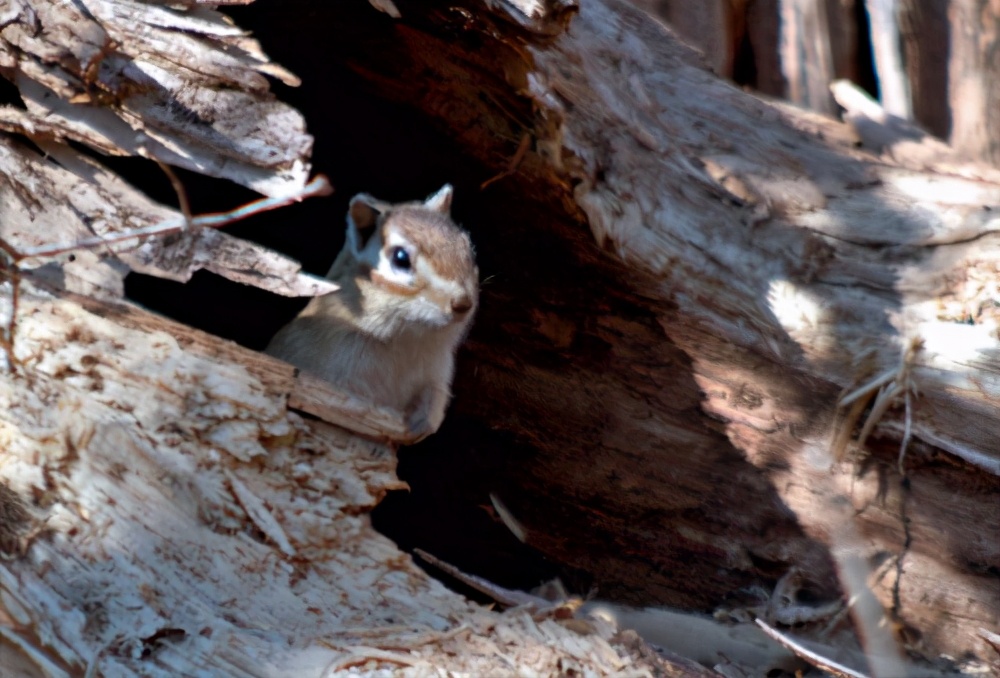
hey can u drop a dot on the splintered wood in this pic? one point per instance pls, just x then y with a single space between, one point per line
185 521
170 511
129 78
59 205
135 78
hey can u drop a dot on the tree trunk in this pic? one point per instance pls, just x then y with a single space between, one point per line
670 408
680 283
973 73
930 61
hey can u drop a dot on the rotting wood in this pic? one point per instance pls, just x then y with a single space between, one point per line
183 520
70 200
303 391
134 78
758 242
180 517
772 204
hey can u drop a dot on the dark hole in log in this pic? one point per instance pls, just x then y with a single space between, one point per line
566 361
364 143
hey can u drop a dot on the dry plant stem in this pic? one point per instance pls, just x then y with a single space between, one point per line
886 396
808 655
890 385
522 150
508 597
843 437
317 187
182 197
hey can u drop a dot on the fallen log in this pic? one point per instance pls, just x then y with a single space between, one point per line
685 283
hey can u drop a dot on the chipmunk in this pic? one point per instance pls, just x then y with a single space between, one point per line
408 293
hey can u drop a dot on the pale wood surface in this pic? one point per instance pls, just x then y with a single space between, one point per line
665 395
678 399
182 520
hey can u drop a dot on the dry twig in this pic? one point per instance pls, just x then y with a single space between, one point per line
508 597
11 257
886 388
808 655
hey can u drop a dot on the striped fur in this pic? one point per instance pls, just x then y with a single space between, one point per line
390 335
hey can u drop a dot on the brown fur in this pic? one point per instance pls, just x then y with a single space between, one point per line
442 242
390 335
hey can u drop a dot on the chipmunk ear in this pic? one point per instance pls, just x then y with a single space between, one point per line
440 201
364 210
362 215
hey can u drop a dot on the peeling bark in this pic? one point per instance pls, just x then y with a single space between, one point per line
687 280
678 399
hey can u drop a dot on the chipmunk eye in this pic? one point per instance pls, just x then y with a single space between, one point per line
400 258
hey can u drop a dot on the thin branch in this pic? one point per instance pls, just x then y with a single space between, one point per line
808 655
182 196
872 385
507 597
317 187
11 256
890 384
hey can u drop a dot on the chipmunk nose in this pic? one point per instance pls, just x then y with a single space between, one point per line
462 304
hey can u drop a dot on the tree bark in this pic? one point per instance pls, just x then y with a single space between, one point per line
164 507
678 399
680 281
973 72
929 61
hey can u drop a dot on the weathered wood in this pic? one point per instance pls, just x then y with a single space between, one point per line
792 50
681 406
933 61
893 83
973 73
182 520
163 508
685 279
138 78
54 201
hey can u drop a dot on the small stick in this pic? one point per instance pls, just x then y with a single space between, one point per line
318 186
522 150
876 382
890 385
182 197
887 394
508 519
11 256
507 597
843 436
992 638
808 655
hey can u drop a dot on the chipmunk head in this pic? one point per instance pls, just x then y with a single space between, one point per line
419 265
